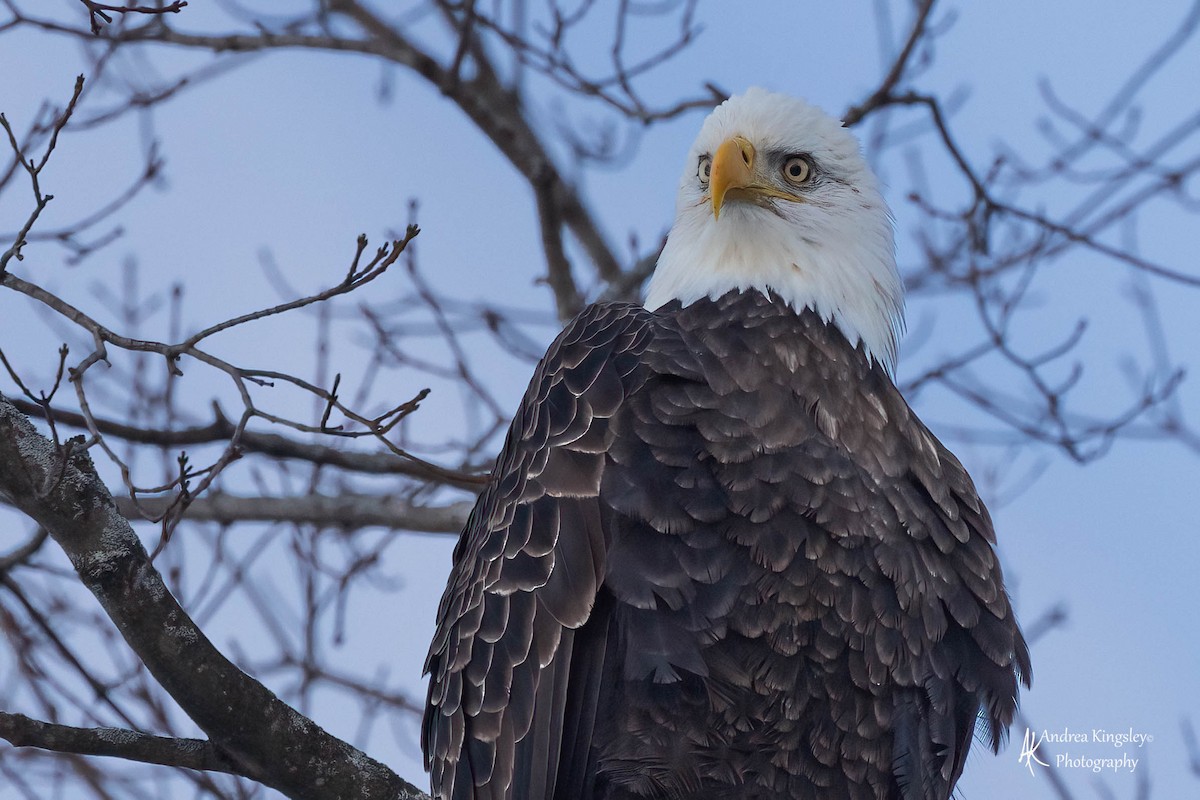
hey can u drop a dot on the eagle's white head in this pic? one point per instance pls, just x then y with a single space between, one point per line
777 196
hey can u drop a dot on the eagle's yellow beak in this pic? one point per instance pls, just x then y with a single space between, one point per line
732 169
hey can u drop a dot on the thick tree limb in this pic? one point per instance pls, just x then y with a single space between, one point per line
349 511
266 739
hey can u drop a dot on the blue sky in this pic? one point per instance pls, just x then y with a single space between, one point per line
295 153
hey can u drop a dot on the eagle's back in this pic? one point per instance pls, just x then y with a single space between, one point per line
792 592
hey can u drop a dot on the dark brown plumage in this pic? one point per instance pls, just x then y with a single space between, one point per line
719 557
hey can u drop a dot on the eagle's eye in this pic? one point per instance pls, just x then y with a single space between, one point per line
797 170
704 169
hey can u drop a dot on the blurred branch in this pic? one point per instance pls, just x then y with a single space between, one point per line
1125 95
102 11
558 277
1051 619
883 93
348 511
1192 743
23 553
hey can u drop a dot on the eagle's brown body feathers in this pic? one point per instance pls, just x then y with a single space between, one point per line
719 557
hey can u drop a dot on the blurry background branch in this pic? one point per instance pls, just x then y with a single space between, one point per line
346 511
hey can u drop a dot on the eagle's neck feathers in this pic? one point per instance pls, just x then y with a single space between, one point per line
848 276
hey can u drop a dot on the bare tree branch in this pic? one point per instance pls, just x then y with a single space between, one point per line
34 169
221 429
22 731
269 741
883 92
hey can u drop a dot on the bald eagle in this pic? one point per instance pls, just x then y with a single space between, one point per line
719 556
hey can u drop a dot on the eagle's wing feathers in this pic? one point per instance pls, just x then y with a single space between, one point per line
508 661
957 614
